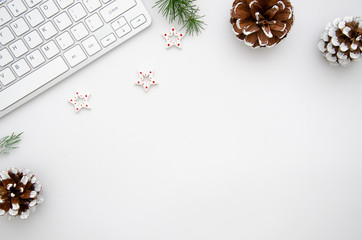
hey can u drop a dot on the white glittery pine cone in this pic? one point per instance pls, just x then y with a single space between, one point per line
19 193
341 42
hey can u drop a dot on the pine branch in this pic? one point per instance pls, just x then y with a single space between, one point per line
185 12
6 143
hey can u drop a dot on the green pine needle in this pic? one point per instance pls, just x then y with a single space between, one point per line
6 143
185 12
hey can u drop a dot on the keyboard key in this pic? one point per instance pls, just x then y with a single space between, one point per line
138 21
49 8
17 7
34 17
65 40
79 31
91 45
48 30
118 23
105 1
35 58
19 26
4 16
18 48
77 12
6 36
65 3
5 57
62 21
123 30
50 49
75 56
92 5
32 3
116 8
6 76
108 40
32 82
33 39
94 22
21 67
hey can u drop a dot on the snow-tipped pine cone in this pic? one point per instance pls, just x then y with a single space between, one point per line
19 193
261 23
342 41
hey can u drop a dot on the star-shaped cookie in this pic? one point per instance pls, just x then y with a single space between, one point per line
173 42
80 101
146 79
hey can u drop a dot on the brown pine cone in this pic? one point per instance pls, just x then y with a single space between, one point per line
19 193
261 23
341 42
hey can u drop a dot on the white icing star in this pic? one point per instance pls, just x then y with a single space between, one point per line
80 101
170 42
146 79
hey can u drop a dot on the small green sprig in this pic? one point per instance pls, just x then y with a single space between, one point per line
7 143
185 12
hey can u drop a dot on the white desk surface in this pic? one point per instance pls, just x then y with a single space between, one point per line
233 143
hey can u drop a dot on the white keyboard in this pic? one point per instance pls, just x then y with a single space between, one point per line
44 41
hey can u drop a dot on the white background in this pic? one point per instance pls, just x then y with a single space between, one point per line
233 144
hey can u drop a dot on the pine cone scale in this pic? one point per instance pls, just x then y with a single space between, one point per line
255 8
4 207
7 183
285 15
25 195
271 12
24 206
2 191
240 24
15 202
278 26
241 9
273 41
267 31
251 39
280 34
252 28
263 39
